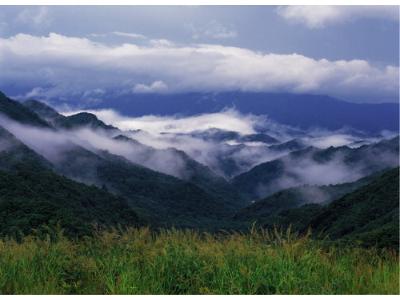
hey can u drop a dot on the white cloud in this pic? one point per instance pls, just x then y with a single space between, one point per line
39 16
155 87
69 66
314 16
213 29
225 120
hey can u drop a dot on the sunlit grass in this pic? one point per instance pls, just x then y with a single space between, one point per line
140 261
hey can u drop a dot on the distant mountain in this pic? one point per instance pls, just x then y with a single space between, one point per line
292 145
304 166
368 215
83 119
299 110
220 135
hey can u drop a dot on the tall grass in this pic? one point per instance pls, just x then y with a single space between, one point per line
139 261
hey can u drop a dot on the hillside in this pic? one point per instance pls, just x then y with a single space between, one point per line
32 200
18 112
158 197
178 164
369 215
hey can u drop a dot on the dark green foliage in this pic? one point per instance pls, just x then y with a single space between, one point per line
161 198
17 112
370 214
35 200
297 218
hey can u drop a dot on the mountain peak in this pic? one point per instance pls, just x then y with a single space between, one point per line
84 119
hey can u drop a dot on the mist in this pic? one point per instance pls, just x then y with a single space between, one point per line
168 144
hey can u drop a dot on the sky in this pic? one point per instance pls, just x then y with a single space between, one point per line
76 52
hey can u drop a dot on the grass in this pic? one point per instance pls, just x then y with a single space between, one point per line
139 261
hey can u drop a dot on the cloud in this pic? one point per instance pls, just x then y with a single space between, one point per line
319 16
155 87
39 16
68 66
129 34
213 30
225 120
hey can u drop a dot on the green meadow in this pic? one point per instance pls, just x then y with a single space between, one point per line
141 261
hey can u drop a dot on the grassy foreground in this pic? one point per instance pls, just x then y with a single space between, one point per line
185 262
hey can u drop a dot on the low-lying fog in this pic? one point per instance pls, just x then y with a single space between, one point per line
228 142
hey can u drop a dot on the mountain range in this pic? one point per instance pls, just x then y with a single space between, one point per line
78 172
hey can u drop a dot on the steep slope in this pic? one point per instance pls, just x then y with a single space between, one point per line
44 111
369 214
16 111
314 166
